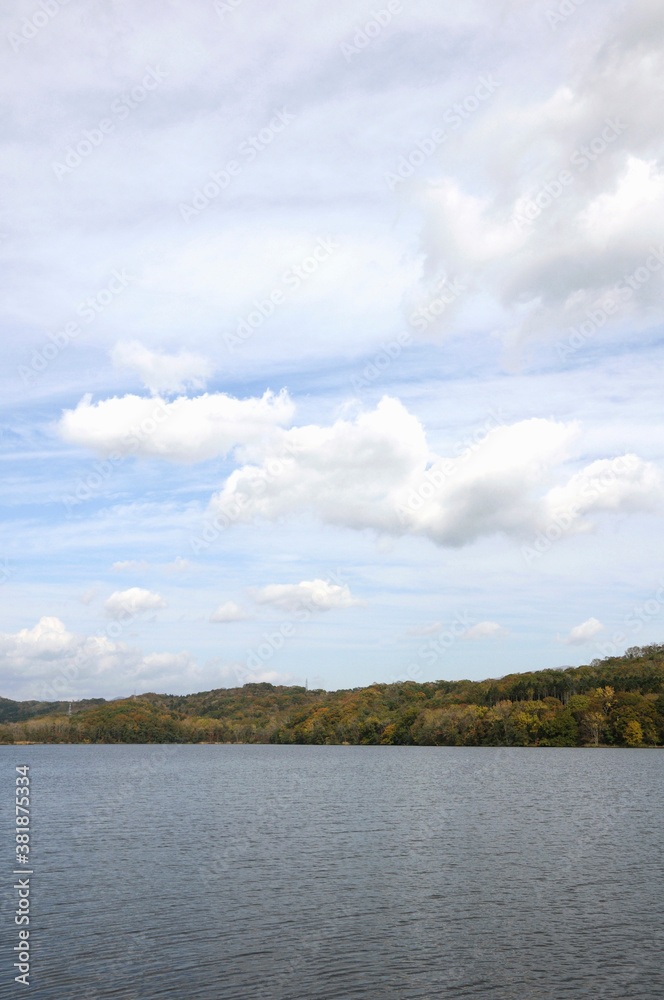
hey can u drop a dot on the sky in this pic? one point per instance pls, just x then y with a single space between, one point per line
332 341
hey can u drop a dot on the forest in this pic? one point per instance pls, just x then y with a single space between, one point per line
617 702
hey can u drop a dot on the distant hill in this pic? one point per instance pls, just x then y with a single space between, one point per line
618 701
17 711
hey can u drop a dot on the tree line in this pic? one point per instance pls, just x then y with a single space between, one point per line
618 701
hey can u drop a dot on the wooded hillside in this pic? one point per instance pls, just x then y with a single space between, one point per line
618 701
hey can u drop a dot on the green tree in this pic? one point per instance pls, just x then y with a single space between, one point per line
560 731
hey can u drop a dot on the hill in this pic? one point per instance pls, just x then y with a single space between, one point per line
618 701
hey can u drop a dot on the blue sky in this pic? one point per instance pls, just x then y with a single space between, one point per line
332 340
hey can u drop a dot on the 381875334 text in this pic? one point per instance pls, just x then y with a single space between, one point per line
23 867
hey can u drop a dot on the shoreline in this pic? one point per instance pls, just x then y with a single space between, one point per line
383 746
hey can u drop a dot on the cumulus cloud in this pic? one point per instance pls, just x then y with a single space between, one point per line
378 472
48 640
571 198
48 662
485 630
345 472
532 274
314 595
583 633
184 430
163 373
229 612
129 603
621 484
630 208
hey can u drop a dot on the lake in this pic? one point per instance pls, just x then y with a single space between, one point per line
339 873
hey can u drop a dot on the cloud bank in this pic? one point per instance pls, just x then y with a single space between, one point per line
378 472
48 662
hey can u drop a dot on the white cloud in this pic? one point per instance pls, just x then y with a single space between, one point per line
624 484
128 603
583 633
48 640
59 664
315 595
485 630
179 565
378 472
229 612
163 372
184 430
347 472
130 566
50 650
630 210
538 252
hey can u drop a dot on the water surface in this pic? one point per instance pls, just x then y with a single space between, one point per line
330 873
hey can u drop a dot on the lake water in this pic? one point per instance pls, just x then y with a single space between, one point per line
339 873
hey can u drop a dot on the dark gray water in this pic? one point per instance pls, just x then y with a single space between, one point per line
313 873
